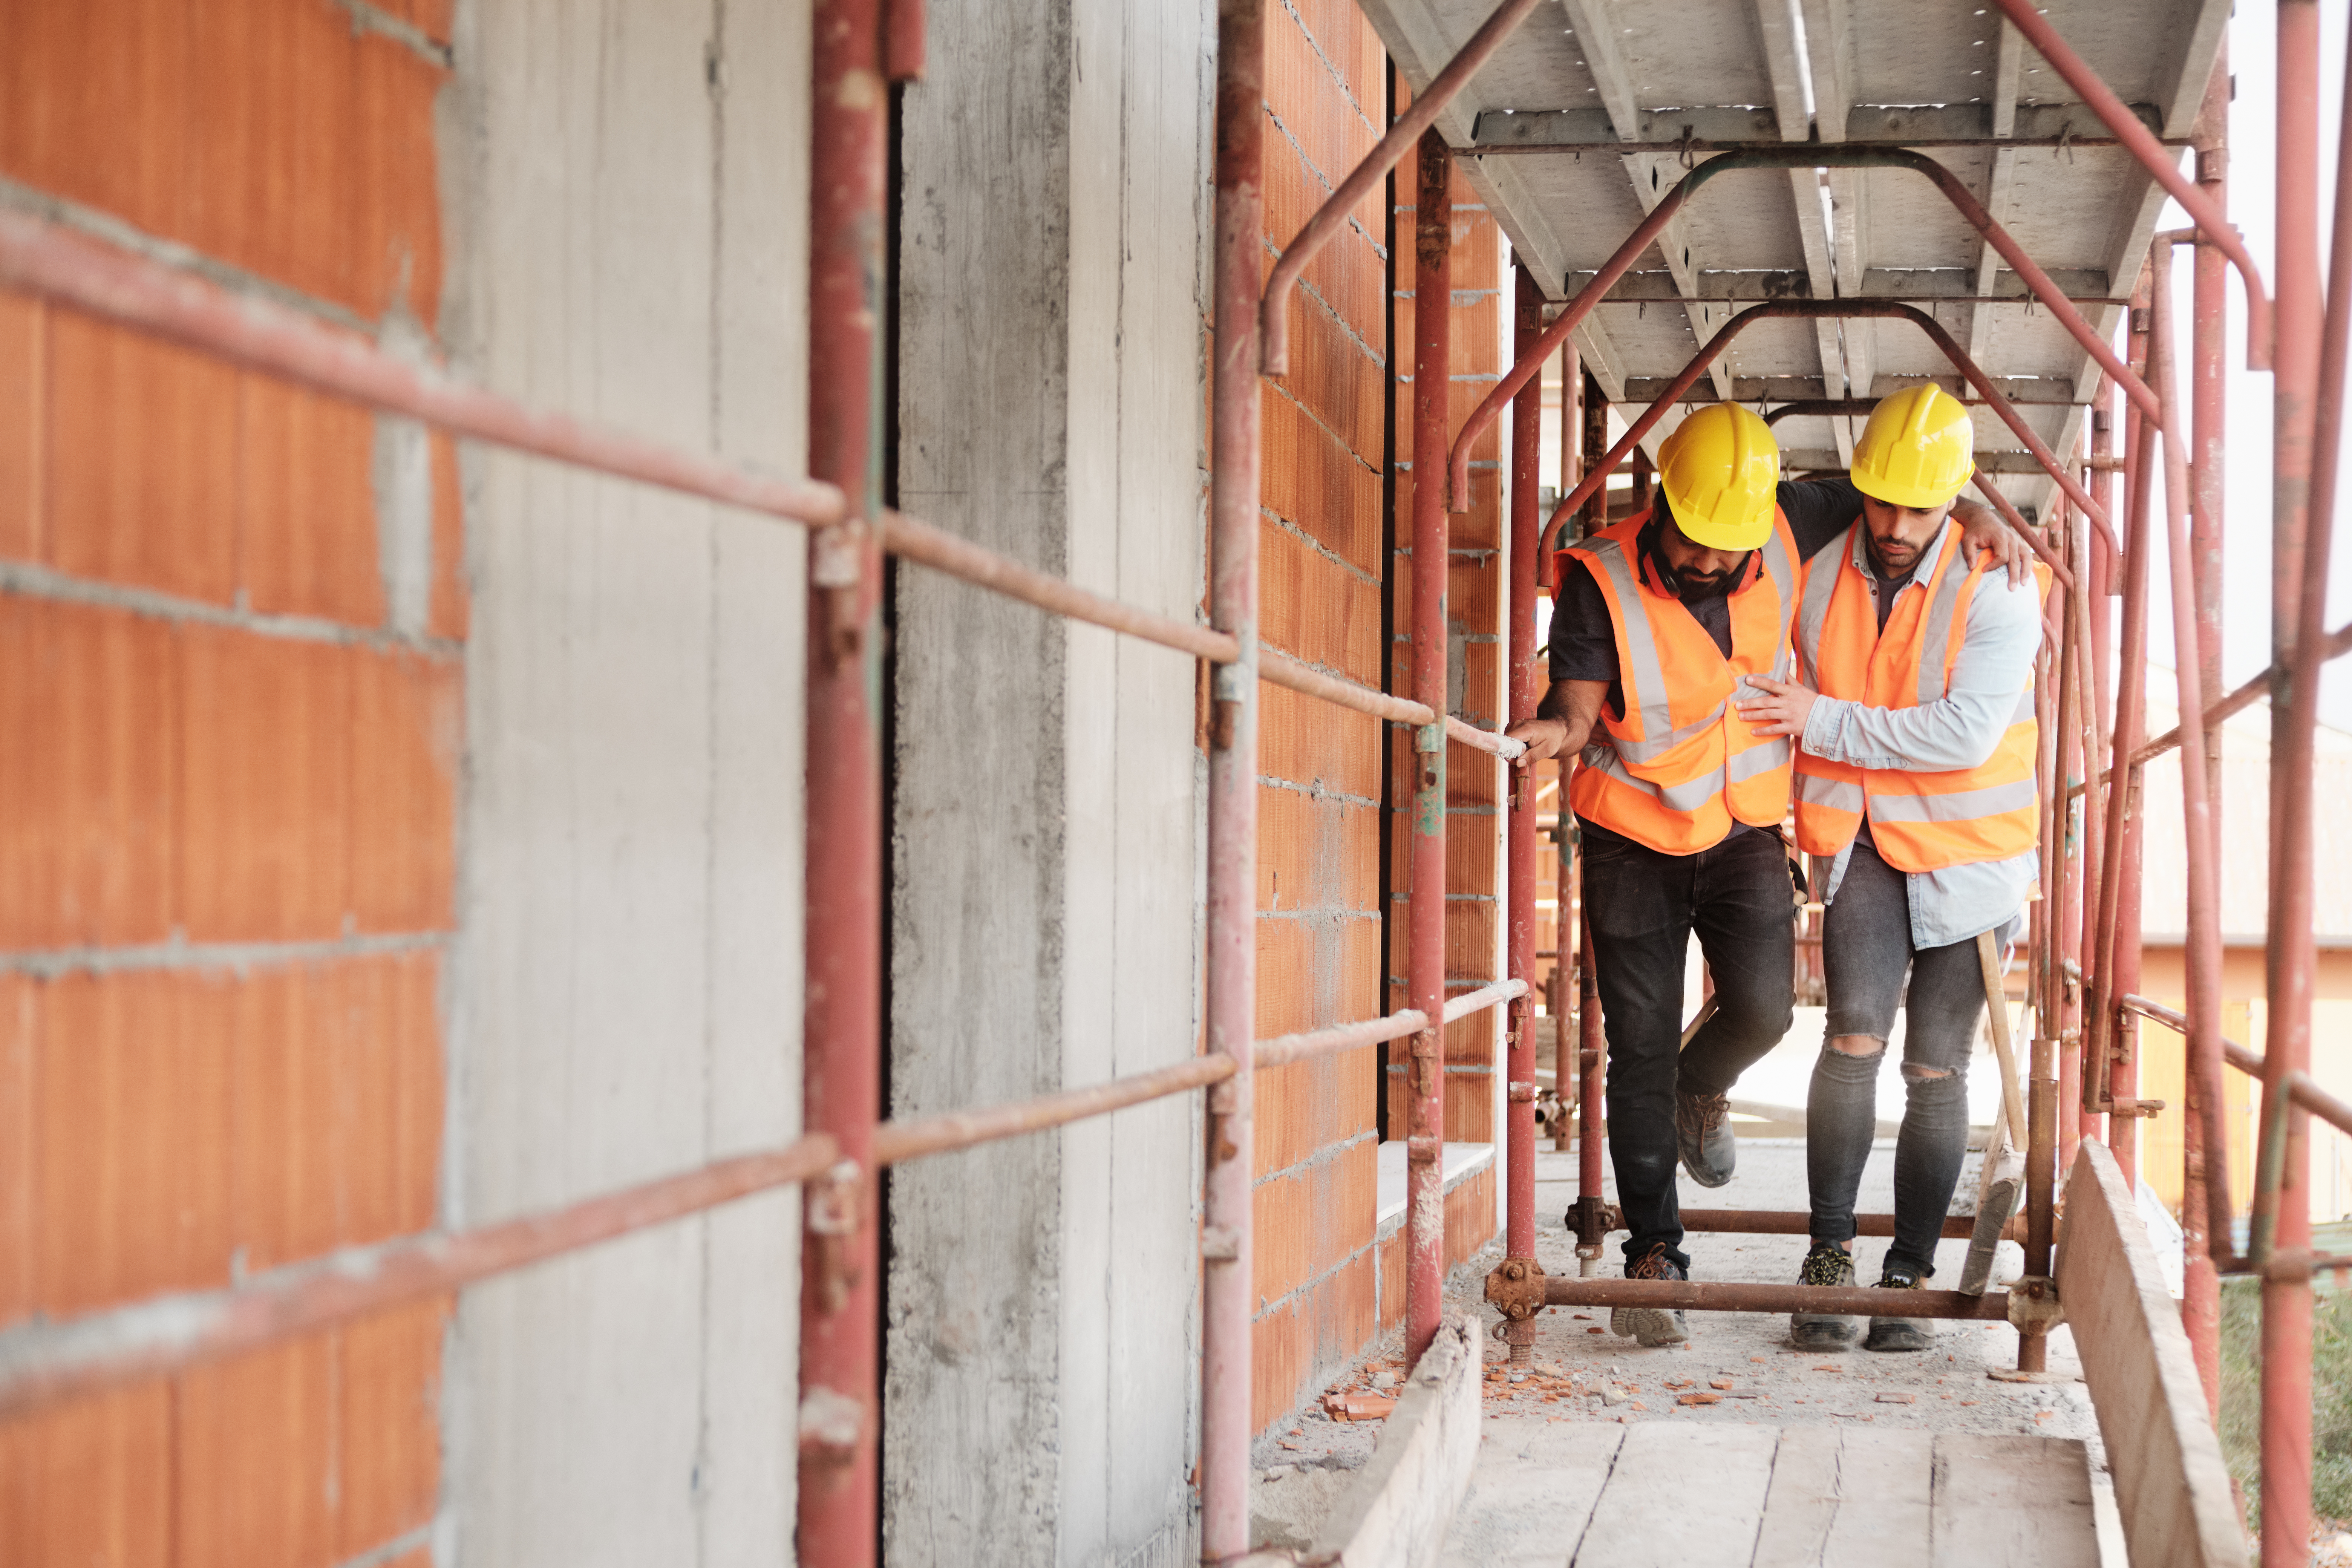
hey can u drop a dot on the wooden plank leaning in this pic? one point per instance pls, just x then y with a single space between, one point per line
2171 1486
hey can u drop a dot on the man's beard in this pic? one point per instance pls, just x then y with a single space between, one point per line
1701 586
1888 557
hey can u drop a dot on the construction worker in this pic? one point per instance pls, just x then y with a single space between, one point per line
1655 620
1914 716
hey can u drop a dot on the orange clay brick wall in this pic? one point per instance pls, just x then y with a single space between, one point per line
1319 796
1477 591
226 786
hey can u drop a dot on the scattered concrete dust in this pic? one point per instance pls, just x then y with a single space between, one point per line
1581 1372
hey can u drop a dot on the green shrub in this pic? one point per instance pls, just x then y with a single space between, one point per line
2331 1397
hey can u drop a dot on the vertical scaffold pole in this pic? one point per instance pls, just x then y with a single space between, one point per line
2280 1233
2202 954
842 1018
2114 1061
2101 586
1225 1240
1591 1045
2054 705
1432 294
2201 1303
1527 441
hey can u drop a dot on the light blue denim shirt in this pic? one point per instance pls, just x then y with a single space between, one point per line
1959 731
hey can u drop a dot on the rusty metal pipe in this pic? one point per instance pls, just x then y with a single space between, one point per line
2153 156
1816 310
45 1363
1485 997
2332 647
1284 1050
840 1325
2303 1088
1519 820
2107 1062
2201 1303
1716 1296
1593 1062
2306 397
911 539
1810 155
1425 942
1333 216
1800 1222
47 259
912 1137
1228 1302
2202 954
1281 669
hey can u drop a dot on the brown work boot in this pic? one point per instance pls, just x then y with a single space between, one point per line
1651 1325
1703 1136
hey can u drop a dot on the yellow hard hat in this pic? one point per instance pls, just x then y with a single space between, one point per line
1720 469
1917 449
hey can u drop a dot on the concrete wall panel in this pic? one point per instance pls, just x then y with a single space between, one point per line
630 201
1043 1350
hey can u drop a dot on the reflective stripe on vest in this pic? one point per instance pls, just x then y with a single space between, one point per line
1920 821
1679 768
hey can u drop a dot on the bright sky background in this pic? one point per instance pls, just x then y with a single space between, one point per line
2247 523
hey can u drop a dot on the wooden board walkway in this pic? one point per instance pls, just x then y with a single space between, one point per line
1658 1495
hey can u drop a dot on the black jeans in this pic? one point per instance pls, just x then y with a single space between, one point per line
1865 951
1643 907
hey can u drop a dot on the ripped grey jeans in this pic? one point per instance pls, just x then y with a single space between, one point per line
1866 950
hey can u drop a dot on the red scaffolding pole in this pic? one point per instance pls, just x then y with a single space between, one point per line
1227 1297
840 1414
1432 285
2201 1303
1520 1268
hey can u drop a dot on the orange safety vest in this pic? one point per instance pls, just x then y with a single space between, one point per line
1920 821
1681 765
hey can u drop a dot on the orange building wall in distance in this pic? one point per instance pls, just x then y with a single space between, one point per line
228 791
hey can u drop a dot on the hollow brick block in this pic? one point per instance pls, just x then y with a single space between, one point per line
255 1459
142 468
389 1426
23 414
88 1482
451 607
406 717
134 1121
266 787
307 533
88 783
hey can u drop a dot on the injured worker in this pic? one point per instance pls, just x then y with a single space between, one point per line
1914 711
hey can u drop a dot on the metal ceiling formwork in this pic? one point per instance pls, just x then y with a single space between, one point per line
1576 128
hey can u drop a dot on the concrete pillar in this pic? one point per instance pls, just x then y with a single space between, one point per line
1043 1339
628 193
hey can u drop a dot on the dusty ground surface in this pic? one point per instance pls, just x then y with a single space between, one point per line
1581 1372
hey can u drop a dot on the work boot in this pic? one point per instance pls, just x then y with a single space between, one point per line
1890 1333
1702 1135
1651 1325
1826 1264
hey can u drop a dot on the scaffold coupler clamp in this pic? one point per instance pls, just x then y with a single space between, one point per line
2034 1304
1515 1287
1593 1220
833 1202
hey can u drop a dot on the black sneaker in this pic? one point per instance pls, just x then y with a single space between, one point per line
1826 1264
1888 1334
1703 1136
1651 1325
